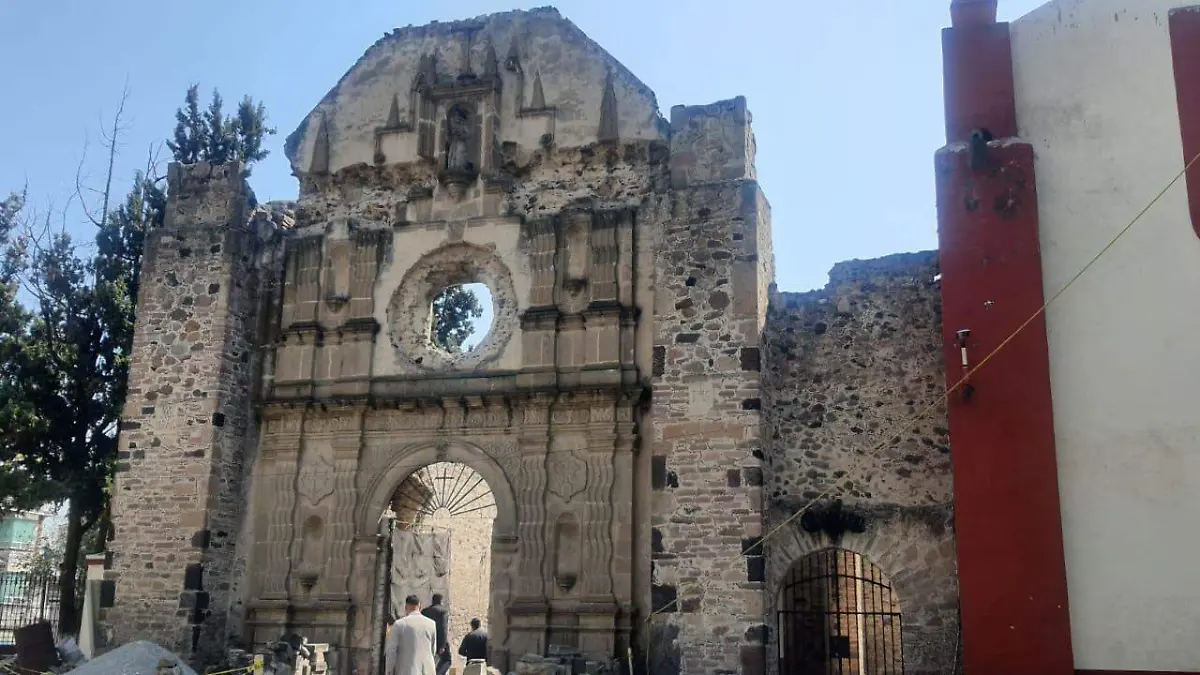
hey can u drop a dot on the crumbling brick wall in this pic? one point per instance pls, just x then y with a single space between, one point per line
845 370
177 501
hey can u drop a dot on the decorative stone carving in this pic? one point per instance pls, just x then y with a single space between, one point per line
337 263
504 450
315 482
409 311
569 473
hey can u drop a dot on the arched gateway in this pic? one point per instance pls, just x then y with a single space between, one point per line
464 481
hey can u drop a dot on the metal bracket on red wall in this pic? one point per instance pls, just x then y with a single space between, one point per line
967 388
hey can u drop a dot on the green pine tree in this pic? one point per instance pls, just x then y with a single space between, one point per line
190 133
211 136
453 311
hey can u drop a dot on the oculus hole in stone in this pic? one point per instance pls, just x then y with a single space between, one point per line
460 317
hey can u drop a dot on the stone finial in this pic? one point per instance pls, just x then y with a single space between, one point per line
465 69
320 155
608 111
512 61
973 12
491 67
393 119
427 70
539 96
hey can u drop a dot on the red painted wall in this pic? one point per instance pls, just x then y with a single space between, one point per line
1185 53
1012 576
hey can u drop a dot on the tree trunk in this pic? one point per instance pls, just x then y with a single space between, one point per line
68 614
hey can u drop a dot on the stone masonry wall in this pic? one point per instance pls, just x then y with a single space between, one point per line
177 500
845 369
470 565
706 466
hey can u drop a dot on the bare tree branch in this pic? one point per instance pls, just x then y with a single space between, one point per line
79 183
112 150
111 144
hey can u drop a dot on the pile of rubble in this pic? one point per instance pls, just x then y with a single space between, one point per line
135 658
37 653
560 660
290 655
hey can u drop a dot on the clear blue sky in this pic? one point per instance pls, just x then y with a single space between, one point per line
846 95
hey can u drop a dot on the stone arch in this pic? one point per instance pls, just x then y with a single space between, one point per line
383 485
837 611
915 549
377 495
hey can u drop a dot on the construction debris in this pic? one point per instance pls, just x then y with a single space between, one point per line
560 660
136 658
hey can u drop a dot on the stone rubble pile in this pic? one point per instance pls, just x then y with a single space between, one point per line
560 660
289 655
135 658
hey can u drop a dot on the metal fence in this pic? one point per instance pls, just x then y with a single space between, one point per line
26 598
839 616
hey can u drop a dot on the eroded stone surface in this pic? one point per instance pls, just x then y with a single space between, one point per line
846 369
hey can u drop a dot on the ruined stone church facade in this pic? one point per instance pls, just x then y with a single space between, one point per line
645 407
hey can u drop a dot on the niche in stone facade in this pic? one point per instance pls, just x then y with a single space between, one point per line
461 133
312 554
568 554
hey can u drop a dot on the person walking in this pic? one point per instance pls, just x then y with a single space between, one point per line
411 643
474 644
440 615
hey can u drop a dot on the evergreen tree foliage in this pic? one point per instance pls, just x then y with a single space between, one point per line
453 312
213 137
190 133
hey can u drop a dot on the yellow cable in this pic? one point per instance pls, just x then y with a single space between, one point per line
244 669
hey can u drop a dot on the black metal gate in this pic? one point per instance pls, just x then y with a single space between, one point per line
25 598
839 616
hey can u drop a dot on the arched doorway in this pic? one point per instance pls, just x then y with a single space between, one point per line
441 523
838 615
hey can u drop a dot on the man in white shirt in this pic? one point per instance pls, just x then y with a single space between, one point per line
411 643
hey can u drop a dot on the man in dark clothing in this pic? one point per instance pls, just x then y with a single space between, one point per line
440 615
474 644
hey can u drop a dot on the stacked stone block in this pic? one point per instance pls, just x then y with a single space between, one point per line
706 478
178 497
845 371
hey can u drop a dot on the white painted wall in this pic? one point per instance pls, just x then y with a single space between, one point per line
1096 98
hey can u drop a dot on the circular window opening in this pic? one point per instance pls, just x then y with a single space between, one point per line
460 317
